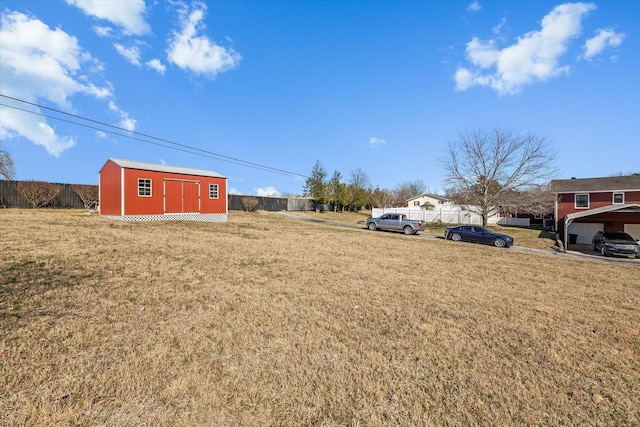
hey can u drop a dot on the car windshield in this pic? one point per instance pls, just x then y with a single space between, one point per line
618 236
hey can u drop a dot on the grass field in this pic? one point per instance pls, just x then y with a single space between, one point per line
266 320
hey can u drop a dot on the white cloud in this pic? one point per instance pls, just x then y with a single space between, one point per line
103 31
126 122
233 190
39 63
267 192
129 15
15 123
131 54
191 51
533 58
155 64
498 28
375 142
603 39
474 6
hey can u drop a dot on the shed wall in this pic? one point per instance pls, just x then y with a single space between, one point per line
110 189
173 193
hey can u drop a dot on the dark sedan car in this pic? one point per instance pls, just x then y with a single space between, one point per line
477 234
615 244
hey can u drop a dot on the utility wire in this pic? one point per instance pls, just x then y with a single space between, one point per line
134 138
173 145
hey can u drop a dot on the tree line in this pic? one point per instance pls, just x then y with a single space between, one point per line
357 192
485 172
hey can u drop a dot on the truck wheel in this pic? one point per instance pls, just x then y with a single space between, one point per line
408 230
372 226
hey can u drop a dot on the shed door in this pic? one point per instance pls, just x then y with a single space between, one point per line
181 196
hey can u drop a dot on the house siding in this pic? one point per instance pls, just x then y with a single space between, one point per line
612 221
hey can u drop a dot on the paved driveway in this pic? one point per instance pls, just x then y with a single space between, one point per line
575 251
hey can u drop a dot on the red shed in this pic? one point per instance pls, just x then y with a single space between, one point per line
138 191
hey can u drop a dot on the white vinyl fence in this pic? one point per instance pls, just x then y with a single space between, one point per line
446 216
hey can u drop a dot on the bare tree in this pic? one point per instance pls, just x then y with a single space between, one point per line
38 193
382 198
89 194
481 168
7 168
409 189
537 200
250 204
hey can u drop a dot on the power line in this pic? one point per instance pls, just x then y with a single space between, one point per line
173 145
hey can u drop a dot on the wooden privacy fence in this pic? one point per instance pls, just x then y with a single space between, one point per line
11 198
238 202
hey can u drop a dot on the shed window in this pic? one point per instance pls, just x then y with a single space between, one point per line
144 187
582 201
618 198
213 191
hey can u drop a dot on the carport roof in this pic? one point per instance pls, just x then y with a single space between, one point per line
610 208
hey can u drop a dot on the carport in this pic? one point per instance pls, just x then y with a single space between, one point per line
620 217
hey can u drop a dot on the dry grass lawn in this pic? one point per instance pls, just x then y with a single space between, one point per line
265 320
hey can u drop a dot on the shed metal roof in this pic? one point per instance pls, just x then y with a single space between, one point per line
132 164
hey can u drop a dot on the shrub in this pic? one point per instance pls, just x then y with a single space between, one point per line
250 204
38 193
88 194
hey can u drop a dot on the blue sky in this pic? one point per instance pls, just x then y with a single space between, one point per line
379 86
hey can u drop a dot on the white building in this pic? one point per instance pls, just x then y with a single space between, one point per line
426 199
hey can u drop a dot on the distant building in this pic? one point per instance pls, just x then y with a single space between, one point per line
138 191
428 199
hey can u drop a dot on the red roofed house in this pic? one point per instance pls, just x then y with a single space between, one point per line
137 191
586 206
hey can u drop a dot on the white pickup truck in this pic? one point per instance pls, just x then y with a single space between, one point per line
396 222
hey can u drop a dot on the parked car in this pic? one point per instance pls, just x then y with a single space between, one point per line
397 222
610 243
477 234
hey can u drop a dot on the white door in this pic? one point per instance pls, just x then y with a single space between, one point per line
633 230
585 231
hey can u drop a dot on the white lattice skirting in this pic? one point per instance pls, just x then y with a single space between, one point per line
220 217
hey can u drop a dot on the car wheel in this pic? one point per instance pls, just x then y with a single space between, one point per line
499 243
408 230
456 237
594 247
603 251
372 226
